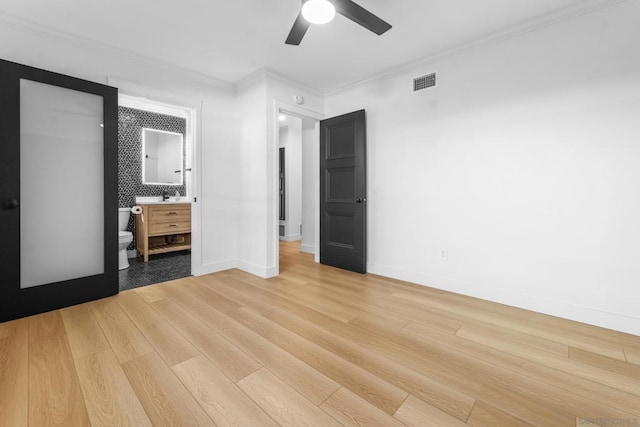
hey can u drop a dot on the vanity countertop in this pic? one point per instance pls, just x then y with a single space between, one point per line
157 200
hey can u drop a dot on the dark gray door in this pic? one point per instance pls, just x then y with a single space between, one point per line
343 188
58 190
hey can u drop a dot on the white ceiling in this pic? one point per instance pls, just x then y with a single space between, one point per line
231 39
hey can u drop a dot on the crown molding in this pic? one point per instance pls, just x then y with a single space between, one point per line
257 76
30 27
565 15
264 73
145 104
312 91
130 91
64 37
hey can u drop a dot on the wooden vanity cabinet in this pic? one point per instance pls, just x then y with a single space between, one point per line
163 228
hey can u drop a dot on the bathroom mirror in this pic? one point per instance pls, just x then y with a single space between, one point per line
161 157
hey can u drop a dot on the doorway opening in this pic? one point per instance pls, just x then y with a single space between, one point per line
135 117
298 182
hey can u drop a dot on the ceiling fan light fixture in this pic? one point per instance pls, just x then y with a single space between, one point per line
318 11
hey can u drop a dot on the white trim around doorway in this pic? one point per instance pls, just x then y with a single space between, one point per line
303 113
189 109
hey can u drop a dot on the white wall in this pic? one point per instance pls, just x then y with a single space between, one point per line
522 164
310 176
217 132
220 168
251 100
257 98
280 93
291 141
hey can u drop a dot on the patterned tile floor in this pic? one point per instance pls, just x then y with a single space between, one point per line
160 268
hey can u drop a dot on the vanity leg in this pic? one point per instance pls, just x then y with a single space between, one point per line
145 247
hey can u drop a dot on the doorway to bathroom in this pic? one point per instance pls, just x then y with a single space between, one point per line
157 189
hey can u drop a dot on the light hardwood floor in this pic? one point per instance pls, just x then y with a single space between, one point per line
316 346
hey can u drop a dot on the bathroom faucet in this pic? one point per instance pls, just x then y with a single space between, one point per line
165 195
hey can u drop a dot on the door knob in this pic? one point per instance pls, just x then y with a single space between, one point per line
10 204
360 200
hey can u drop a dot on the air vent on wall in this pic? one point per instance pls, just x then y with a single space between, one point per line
424 82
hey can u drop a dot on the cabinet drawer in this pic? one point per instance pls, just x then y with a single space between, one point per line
170 227
170 214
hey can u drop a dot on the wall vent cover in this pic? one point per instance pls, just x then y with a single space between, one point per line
424 82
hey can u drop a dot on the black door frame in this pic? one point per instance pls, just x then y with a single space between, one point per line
14 301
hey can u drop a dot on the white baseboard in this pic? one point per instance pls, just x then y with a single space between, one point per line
257 270
308 249
216 267
290 238
618 322
132 254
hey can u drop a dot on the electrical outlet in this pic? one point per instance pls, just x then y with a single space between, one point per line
444 254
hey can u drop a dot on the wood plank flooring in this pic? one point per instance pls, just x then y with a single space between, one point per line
316 346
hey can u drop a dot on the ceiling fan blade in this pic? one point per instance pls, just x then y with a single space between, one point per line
299 29
361 16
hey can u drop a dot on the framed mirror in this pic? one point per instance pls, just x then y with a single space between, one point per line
162 157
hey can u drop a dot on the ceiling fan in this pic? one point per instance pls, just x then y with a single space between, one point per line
323 11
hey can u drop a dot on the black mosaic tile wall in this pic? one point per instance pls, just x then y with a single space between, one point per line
130 124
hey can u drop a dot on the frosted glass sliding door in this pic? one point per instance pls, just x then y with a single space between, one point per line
58 190
61 184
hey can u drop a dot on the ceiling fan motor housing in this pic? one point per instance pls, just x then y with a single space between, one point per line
346 8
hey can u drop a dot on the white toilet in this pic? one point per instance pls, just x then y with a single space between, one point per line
124 237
